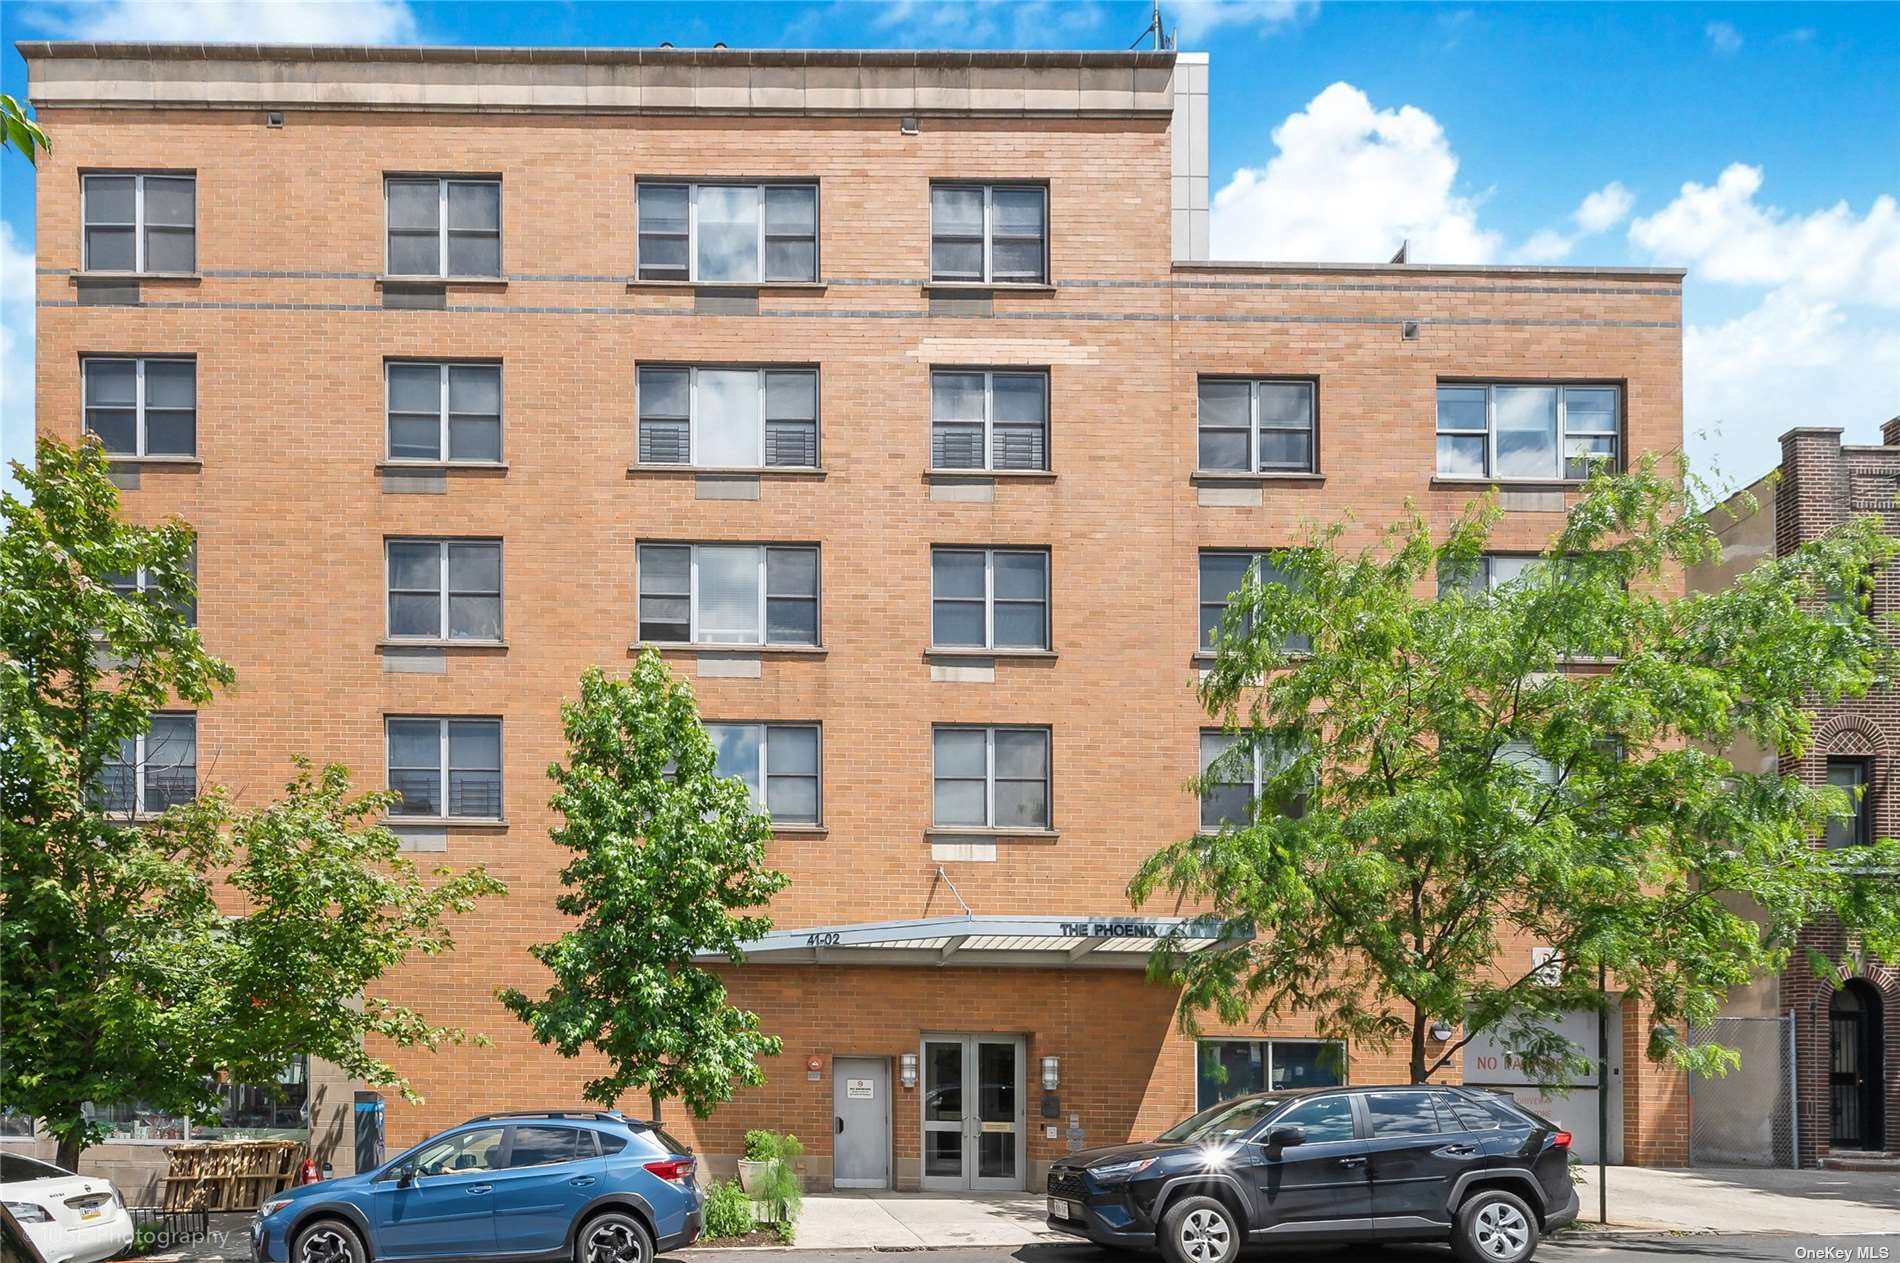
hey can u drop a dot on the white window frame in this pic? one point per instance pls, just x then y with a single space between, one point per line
1254 465
442 183
765 729
1255 789
442 544
692 593
138 399
989 732
1564 433
140 757
989 599
989 376
692 188
142 583
760 372
442 767
989 229
442 413
138 219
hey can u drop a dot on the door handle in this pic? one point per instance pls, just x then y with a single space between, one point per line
481 1188
1352 1162
581 1181
1458 1151
840 1130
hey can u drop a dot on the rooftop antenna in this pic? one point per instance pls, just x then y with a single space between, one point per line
1163 41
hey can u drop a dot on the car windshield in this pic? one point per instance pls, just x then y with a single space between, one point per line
1225 1120
16 1169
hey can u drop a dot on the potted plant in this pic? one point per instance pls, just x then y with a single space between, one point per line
760 1148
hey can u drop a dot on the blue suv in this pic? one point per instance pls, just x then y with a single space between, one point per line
581 1185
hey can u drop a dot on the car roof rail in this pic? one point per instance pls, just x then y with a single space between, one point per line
610 1116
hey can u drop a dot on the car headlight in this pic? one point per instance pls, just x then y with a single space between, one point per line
30 1212
1116 1171
270 1208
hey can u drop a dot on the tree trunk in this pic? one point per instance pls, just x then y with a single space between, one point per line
654 1098
70 1147
1418 1044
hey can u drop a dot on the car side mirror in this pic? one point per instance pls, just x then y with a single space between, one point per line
1281 1137
405 1175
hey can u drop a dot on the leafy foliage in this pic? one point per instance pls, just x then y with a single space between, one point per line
666 853
17 131
728 1211
122 976
1570 760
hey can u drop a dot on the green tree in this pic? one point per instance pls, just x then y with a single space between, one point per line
1544 761
17 131
143 959
667 856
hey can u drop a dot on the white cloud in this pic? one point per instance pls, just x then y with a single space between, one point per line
1349 184
1194 20
1727 236
1605 208
1723 37
16 348
232 21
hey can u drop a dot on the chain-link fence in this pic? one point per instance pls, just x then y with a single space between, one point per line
1747 1117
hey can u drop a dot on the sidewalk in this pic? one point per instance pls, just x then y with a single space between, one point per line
877 1220
1746 1199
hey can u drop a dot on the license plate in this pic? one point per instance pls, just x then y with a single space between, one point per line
91 1214
1061 1209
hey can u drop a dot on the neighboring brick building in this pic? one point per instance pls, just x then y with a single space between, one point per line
926 516
1847 1041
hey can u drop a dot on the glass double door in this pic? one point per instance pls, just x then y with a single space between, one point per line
973 1128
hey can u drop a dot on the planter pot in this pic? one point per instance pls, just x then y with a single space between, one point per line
752 1175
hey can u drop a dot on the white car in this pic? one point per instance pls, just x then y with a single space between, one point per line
71 1218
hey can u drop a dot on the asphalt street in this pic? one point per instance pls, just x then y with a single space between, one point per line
1567 1248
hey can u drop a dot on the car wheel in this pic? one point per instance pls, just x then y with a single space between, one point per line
613 1238
1494 1227
326 1241
1199 1230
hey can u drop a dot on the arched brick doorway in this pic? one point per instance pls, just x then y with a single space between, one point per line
1855 1057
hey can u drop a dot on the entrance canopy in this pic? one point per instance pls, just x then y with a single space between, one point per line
1024 942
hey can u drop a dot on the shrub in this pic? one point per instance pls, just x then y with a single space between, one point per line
728 1211
760 1146
780 1152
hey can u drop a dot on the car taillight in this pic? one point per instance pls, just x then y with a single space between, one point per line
678 1170
1561 1140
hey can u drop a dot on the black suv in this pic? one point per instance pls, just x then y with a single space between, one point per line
1419 1163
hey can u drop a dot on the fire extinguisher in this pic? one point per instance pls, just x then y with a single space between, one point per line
308 1173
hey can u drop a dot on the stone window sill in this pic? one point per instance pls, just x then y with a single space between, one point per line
1511 484
397 824
1224 476
800 830
681 646
946 651
182 462
1001 287
493 282
1022 475
441 467
967 833
728 287
481 646
640 470
76 277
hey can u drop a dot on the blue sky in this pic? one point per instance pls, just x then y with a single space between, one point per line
1757 144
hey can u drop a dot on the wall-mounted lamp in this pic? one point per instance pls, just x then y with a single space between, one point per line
1051 1074
907 1070
1443 1030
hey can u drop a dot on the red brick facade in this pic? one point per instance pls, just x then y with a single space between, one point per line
287 322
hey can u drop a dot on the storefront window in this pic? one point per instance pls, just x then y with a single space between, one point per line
14 1125
135 1122
1226 1068
244 1113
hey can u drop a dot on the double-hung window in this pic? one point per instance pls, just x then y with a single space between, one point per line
779 764
1487 574
991 778
142 406
445 768
1254 425
989 233
728 233
1852 776
140 223
154 770
1234 782
1506 430
135 585
446 226
989 598
989 420
441 412
729 418
444 589
1222 576
729 594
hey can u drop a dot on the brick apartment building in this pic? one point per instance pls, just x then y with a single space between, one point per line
893 395
1846 1064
